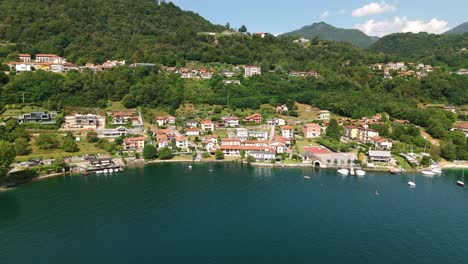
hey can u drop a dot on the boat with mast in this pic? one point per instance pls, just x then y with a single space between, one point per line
462 182
411 183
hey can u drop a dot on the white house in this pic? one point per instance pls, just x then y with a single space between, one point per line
262 155
192 132
252 70
182 142
287 132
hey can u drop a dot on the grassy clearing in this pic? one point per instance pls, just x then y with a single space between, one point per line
403 162
85 148
24 110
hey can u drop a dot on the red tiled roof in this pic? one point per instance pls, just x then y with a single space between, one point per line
317 150
133 139
287 128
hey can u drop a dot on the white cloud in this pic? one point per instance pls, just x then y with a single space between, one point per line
341 12
325 14
402 24
373 9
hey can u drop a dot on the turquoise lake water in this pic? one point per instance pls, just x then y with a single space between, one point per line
168 213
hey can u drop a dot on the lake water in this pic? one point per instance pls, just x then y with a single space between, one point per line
168 213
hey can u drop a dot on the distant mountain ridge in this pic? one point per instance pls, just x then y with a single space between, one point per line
460 29
328 32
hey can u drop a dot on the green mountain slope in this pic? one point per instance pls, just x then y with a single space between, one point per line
324 31
95 30
430 48
460 29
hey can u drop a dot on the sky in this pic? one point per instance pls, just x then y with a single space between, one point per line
375 18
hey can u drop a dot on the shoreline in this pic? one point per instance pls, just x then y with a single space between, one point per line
444 166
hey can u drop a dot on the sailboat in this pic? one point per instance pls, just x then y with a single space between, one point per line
462 183
411 183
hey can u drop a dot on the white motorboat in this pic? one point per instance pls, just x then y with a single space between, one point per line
412 183
111 170
306 177
360 173
98 172
343 171
427 173
462 182
106 171
189 166
436 170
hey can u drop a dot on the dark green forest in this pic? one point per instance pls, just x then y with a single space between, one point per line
442 50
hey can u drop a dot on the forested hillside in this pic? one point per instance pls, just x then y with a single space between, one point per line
327 32
96 30
449 50
141 31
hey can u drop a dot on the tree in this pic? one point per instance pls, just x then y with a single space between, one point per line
165 153
334 131
57 165
69 145
47 142
243 29
92 136
228 26
7 156
448 150
205 155
150 152
219 155
22 146
251 159
242 153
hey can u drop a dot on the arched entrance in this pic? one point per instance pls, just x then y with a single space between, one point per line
317 163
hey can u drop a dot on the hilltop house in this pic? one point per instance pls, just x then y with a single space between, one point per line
207 125
165 120
124 117
38 117
252 70
231 121
193 132
89 121
255 118
324 115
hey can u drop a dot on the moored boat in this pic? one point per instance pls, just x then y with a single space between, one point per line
462 182
411 184
360 173
343 171
427 173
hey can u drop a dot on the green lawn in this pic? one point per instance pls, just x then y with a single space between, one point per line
24 110
403 162
85 148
